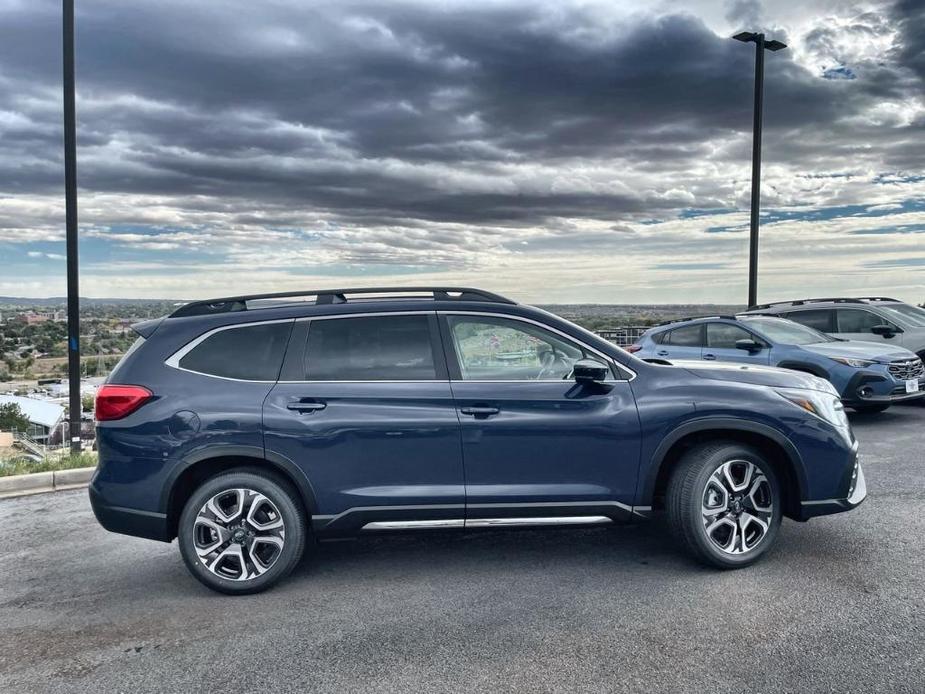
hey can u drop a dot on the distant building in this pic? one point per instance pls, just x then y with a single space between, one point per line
45 418
33 317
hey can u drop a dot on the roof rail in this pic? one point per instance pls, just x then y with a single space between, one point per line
877 298
802 302
687 318
230 304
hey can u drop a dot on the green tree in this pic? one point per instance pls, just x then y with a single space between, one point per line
12 417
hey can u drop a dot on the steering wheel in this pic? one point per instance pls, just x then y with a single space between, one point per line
549 361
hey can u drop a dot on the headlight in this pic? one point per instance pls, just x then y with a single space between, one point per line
825 406
856 363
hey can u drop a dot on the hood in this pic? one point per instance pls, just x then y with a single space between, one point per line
756 375
855 349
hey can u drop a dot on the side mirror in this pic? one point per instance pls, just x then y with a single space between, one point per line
886 331
589 371
748 345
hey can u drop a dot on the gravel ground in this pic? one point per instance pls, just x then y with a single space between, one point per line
837 606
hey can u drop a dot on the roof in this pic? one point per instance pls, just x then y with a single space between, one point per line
42 412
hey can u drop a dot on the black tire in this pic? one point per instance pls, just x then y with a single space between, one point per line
282 499
870 409
688 489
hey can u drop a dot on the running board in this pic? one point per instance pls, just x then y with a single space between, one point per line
486 522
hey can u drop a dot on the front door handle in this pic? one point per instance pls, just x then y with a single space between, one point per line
480 411
709 357
300 406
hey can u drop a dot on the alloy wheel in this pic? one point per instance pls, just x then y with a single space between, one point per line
239 534
737 507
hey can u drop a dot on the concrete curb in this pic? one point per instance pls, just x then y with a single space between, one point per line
39 482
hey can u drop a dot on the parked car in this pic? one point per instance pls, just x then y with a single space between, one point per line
872 319
245 426
868 376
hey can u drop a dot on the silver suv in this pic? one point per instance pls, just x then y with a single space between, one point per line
869 318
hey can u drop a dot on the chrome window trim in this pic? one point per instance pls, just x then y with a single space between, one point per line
173 361
370 314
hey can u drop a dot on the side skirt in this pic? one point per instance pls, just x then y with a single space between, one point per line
459 516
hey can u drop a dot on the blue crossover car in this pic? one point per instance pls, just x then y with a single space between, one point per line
247 427
869 376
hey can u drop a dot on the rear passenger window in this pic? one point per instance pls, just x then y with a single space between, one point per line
689 336
374 348
822 320
247 353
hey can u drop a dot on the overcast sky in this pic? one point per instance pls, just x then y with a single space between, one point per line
550 150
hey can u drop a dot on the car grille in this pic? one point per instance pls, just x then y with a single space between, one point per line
907 368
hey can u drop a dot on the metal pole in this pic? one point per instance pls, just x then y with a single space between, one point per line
756 172
70 207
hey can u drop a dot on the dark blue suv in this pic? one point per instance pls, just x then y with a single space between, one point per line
245 426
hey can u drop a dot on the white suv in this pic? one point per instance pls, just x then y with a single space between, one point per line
871 318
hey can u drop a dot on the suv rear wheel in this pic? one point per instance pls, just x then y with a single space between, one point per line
241 532
724 504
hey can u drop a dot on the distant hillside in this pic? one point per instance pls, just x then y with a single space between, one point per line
85 301
600 316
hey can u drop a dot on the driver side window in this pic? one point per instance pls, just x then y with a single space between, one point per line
500 349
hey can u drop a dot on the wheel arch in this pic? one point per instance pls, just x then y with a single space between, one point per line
204 464
805 367
780 451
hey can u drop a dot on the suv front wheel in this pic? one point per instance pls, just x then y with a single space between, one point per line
241 532
724 504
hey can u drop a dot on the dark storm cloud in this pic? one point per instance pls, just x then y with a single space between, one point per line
334 108
910 17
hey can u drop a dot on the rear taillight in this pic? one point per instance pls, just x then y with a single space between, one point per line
116 402
632 349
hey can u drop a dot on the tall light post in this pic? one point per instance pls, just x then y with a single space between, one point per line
70 214
760 46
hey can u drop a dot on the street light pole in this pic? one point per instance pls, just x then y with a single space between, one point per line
760 46
70 213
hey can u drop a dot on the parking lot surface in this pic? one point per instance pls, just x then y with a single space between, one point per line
837 606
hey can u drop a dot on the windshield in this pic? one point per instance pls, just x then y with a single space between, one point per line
913 315
786 332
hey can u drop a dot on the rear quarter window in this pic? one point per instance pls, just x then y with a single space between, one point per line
247 352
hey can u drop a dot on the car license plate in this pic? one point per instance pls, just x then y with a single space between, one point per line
912 386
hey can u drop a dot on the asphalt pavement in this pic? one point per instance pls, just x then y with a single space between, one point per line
837 606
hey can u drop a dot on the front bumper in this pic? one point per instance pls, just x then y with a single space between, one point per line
883 390
855 486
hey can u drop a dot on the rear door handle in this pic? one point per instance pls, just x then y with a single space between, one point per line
709 357
480 411
300 406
